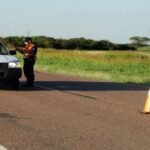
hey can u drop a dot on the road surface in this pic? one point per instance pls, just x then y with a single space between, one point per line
70 113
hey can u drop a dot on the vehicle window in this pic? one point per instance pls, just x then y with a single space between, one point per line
3 50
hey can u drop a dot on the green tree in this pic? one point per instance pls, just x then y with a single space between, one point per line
140 41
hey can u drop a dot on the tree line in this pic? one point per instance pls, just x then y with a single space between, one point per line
75 43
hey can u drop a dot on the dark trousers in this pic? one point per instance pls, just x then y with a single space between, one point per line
28 69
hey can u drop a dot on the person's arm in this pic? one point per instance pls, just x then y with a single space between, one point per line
20 50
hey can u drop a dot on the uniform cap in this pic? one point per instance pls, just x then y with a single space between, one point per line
27 39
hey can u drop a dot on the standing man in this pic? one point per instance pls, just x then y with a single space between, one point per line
29 52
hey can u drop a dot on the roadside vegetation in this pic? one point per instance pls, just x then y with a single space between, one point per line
118 66
145 49
69 44
95 59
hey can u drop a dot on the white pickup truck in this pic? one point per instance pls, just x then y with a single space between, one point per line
10 69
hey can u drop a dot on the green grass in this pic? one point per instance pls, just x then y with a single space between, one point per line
115 66
145 49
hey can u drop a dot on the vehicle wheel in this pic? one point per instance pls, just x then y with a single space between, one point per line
14 85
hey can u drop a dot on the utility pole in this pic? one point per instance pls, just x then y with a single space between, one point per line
29 33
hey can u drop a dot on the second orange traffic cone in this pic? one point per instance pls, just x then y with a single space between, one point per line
147 104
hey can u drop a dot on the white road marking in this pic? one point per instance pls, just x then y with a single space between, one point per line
2 147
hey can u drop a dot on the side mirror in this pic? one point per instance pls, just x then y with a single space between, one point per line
12 52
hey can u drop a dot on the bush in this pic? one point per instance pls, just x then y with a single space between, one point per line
74 43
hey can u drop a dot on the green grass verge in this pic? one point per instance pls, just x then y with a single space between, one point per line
145 49
115 66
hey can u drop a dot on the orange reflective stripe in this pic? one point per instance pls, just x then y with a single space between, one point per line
28 48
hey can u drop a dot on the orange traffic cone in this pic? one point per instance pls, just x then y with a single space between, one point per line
147 104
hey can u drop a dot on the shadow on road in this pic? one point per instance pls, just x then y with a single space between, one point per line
9 116
80 86
85 86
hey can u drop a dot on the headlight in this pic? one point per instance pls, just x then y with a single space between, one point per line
14 65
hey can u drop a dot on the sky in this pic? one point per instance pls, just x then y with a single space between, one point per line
113 20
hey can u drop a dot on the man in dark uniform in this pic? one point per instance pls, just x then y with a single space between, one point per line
29 52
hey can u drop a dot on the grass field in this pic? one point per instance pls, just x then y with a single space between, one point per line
145 49
118 66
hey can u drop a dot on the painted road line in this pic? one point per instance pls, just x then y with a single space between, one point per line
2 147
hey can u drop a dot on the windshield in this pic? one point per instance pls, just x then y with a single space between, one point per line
3 50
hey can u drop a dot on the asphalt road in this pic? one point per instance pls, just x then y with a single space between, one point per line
70 113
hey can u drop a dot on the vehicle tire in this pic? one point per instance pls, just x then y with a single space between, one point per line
14 84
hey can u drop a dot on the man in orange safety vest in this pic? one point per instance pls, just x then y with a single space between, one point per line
29 52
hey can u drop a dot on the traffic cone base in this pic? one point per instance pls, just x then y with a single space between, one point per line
145 112
147 104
